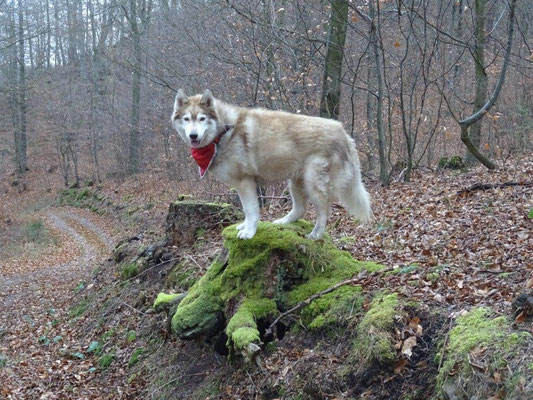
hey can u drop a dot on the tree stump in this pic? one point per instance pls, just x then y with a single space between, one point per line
186 217
252 281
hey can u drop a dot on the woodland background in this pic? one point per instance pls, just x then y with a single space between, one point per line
87 85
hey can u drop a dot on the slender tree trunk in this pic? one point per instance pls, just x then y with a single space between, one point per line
59 50
481 74
22 159
48 35
133 155
374 24
331 85
370 114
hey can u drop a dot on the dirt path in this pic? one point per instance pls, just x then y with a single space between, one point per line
36 342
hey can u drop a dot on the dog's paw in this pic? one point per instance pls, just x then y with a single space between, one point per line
282 221
246 233
314 235
240 227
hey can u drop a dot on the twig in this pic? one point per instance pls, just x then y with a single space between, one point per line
445 343
487 186
358 279
194 261
133 308
488 271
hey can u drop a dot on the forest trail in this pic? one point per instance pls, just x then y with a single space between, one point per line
34 309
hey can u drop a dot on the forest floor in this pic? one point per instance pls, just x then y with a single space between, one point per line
461 244
36 296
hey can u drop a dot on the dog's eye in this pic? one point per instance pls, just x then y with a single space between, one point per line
201 118
186 119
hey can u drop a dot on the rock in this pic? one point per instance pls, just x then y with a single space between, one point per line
186 217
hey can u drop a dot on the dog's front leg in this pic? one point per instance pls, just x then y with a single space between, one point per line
248 195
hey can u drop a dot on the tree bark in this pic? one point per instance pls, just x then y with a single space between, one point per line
137 30
331 86
480 113
481 74
383 173
21 153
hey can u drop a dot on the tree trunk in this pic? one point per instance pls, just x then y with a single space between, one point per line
384 176
133 157
21 154
331 86
481 75
134 154
480 113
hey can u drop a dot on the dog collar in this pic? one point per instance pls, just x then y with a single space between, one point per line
204 156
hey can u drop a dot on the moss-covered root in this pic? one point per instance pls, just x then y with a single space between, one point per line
165 301
374 341
242 329
484 358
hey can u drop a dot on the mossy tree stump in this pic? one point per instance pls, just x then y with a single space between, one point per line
251 281
186 217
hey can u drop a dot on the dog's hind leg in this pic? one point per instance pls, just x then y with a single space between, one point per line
317 184
248 195
299 202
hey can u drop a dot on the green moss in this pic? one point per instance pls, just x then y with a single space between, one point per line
82 198
106 360
478 329
182 276
454 162
433 276
80 308
83 194
374 340
134 358
131 336
163 299
276 269
333 308
242 328
129 271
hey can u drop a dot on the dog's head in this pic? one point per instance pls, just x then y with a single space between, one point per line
194 118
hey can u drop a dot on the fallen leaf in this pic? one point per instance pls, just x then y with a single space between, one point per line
520 317
400 365
408 345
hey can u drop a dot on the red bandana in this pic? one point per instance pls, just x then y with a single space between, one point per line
204 156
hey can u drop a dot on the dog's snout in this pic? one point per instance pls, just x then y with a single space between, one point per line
193 135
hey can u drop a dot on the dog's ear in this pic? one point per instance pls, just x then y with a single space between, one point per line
181 99
207 99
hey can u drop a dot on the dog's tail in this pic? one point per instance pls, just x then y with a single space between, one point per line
354 196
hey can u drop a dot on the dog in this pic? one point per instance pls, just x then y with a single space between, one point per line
246 147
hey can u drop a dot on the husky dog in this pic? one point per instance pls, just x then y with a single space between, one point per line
244 147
